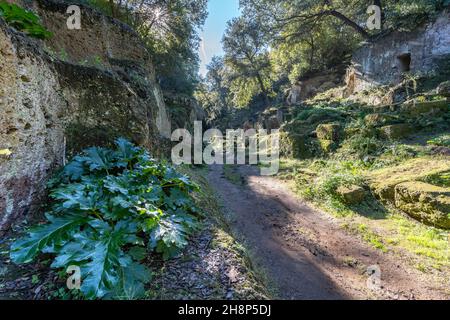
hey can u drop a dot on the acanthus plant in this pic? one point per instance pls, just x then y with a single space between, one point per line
110 209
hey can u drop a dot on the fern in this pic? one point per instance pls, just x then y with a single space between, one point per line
110 210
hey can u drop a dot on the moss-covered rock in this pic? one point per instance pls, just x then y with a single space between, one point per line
396 131
327 146
383 181
444 89
352 194
425 202
294 146
329 131
415 109
379 119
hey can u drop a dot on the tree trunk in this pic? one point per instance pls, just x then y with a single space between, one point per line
263 89
350 23
111 5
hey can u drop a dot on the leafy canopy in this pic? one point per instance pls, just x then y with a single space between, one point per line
110 210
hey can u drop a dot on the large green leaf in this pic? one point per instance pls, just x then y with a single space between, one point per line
56 232
103 202
102 273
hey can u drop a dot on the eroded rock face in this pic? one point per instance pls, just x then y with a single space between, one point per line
384 61
53 106
31 116
444 89
425 202
396 131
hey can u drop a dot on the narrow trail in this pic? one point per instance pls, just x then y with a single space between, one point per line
304 252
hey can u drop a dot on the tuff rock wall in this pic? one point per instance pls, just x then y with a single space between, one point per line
80 88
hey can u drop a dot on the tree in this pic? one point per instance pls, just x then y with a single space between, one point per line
170 30
246 53
275 15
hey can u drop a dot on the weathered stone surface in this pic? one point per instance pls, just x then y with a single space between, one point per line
330 131
444 89
425 202
426 107
51 108
380 62
383 181
352 194
396 131
378 119
294 145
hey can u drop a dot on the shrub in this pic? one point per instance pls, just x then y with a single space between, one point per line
443 141
332 176
23 20
361 147
110 209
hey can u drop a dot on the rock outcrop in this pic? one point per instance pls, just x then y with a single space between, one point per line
425 202
404 187
383 61
79 88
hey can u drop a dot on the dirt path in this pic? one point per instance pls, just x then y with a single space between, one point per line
305 253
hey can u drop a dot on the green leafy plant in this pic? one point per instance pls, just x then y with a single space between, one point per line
443 141
110 210
23 20
322 188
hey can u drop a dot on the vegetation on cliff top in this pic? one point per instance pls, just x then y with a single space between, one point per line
23 20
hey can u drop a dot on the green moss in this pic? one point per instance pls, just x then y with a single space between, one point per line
396 131
329 131
297 146
425 202
383 181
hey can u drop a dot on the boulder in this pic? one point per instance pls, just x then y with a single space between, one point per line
352 194
329 131
327 146
415 108
396 131
378 119
444 89
384 181
425 202
294 145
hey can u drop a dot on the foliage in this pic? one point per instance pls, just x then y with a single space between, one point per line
333 174
443 141
246 55
277 42
23 20
110 208
169 28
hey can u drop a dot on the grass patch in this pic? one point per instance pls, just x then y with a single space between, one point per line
367 235
231 173
379 225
